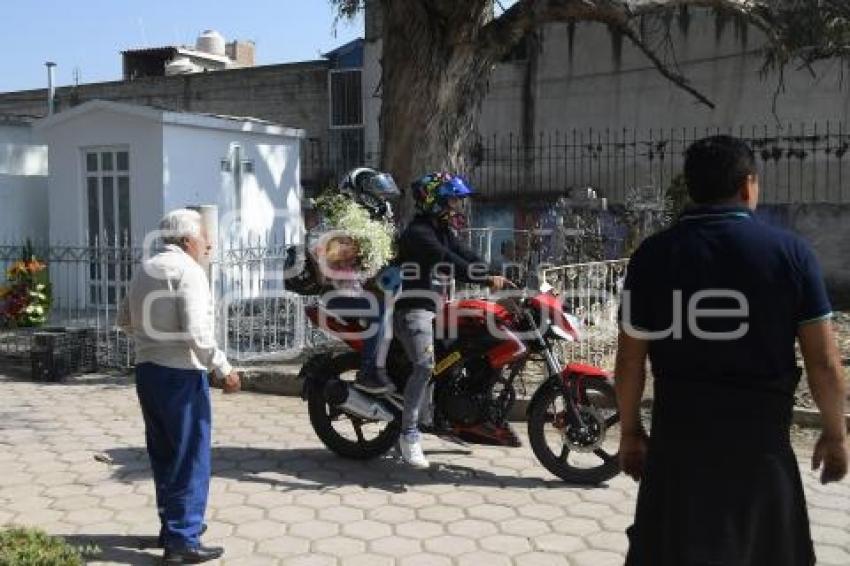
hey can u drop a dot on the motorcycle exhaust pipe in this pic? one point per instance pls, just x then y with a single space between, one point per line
345 397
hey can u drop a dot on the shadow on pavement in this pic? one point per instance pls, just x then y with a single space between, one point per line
121 549
111 380
319 469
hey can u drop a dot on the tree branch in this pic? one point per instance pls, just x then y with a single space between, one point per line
676 78
524 16
500 35
347 9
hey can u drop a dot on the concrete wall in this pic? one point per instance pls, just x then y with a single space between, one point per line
588 80
270 198
584 78
825 227
23 185
581 79
23 212
294 95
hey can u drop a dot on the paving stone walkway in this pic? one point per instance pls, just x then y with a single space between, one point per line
72 461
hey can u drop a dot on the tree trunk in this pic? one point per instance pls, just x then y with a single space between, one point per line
433 82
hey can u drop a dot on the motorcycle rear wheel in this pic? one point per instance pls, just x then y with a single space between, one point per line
547 432
335 428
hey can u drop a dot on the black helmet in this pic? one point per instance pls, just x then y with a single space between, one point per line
372 189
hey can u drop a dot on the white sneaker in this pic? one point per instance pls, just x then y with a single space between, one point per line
411 452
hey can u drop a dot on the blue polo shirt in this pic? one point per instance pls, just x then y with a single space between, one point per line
761 282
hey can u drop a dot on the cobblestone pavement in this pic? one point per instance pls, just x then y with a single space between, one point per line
278 497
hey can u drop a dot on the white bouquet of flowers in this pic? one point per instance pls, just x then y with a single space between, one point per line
372 238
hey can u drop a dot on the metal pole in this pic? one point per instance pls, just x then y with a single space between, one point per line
51 91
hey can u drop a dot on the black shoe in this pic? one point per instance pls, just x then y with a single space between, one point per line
160 542
371 383
192 555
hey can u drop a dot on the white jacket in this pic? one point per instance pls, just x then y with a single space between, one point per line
169 313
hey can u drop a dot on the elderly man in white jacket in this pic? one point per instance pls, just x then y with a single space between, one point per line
169 314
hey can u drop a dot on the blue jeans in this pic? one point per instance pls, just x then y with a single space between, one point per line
415 330
346 306
178 420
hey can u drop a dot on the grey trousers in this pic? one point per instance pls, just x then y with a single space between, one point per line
414 329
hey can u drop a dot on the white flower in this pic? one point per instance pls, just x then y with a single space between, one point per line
374 237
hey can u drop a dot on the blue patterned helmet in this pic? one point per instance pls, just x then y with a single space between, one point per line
431 191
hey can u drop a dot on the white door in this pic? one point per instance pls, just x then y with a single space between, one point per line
107 182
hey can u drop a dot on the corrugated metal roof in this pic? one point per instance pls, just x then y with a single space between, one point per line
180 50
151 50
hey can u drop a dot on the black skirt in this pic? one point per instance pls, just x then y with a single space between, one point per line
722 486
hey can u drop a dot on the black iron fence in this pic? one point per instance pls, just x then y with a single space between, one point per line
799 162
805 162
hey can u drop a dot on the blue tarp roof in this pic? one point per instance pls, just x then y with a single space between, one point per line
348 56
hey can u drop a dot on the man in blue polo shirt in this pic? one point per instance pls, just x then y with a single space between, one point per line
716 302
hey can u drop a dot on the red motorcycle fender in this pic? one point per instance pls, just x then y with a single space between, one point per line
584 370
571 379
574 375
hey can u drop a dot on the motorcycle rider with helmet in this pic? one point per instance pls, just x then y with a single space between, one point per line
429 248
338 271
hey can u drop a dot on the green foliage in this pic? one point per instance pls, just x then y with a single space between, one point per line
807 31
347 9
32 547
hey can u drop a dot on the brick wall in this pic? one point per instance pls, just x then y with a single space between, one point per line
294 95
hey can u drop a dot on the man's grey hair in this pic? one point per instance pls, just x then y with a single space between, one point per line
179 224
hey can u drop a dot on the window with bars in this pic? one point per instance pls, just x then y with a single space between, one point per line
346 98
107 181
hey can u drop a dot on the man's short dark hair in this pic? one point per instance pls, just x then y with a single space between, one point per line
715 168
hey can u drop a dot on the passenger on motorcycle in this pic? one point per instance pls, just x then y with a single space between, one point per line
429 248
339 258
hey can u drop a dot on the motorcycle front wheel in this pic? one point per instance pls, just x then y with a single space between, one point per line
587 455
344 434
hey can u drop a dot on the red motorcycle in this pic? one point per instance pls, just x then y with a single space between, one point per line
571 416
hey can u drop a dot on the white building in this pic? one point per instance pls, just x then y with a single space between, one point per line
115 169
23 183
